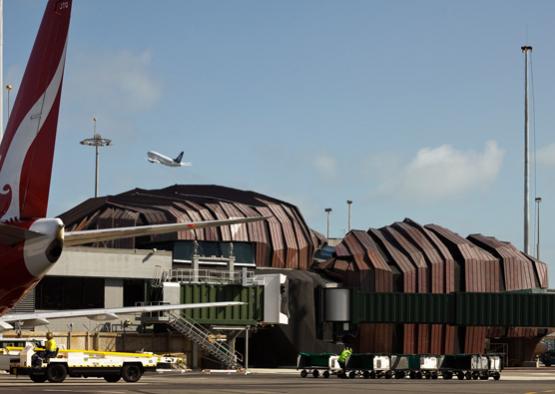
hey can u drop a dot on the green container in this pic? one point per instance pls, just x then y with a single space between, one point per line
313 360
361 361
250 313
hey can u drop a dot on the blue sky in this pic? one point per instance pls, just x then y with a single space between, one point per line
408 108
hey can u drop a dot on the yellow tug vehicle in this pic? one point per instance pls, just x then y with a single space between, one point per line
112 366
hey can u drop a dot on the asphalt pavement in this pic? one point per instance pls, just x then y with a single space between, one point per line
269 382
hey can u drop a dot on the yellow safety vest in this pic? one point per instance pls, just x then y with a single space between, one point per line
50 345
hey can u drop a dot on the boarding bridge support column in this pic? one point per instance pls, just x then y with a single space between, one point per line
231 262
195 268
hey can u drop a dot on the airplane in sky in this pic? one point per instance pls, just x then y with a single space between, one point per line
30 243
155 157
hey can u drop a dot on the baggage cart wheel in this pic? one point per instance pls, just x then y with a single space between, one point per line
418 375
365 374
38 377
56 372
326 374
427 375
434 375
475 375
372 375
412 375
399 375
496 376
352 374
447 375
468 375
304 373
131 373
460 375
388 375
315 373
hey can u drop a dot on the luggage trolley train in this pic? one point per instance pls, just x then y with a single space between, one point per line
399 366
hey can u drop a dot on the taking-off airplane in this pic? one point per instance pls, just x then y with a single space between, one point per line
30 243
155 157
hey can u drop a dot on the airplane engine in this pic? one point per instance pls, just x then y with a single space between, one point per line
42 251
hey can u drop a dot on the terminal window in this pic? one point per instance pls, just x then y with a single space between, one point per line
244 252
55 292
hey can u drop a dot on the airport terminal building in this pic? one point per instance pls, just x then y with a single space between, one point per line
232 261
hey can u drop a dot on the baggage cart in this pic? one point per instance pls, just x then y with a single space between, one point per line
315 364
406 365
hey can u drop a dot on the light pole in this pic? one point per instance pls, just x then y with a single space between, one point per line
328 212
526 49
97 141
349 203
9 89
538 202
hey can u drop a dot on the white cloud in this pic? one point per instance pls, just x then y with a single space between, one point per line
546 155
441 172
325 164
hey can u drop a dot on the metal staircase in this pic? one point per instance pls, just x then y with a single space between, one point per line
202 337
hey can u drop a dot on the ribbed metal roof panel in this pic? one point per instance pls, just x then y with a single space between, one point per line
282 240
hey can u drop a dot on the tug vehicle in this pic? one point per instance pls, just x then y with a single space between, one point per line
112 366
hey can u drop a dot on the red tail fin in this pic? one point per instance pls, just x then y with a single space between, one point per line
27 149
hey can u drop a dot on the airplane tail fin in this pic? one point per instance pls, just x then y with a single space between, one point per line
27 149
179 158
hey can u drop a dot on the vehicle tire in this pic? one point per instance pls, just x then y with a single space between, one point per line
418 375
304 373
112 378
388 375
352 374
399 375
412 375
315 373
372 375
56 372
326 374
131 373
547 363
460 375
475 376
366 374
434 375
468 375
496 376
38 378
484 377
447 375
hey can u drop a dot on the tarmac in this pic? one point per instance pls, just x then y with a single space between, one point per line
532 381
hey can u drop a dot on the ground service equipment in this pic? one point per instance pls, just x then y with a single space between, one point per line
112 366
414 366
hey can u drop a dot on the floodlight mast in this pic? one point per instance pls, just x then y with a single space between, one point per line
97 141
525 49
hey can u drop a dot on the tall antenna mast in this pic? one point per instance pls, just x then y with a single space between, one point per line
525 49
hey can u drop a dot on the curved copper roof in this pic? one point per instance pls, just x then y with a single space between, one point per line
408 257
284 240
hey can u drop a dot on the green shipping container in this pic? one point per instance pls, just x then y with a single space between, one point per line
249 314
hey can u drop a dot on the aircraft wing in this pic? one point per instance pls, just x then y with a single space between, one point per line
11 235
73 238
101 314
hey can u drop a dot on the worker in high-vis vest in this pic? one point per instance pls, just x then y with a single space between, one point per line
43 355
344 356
50 345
